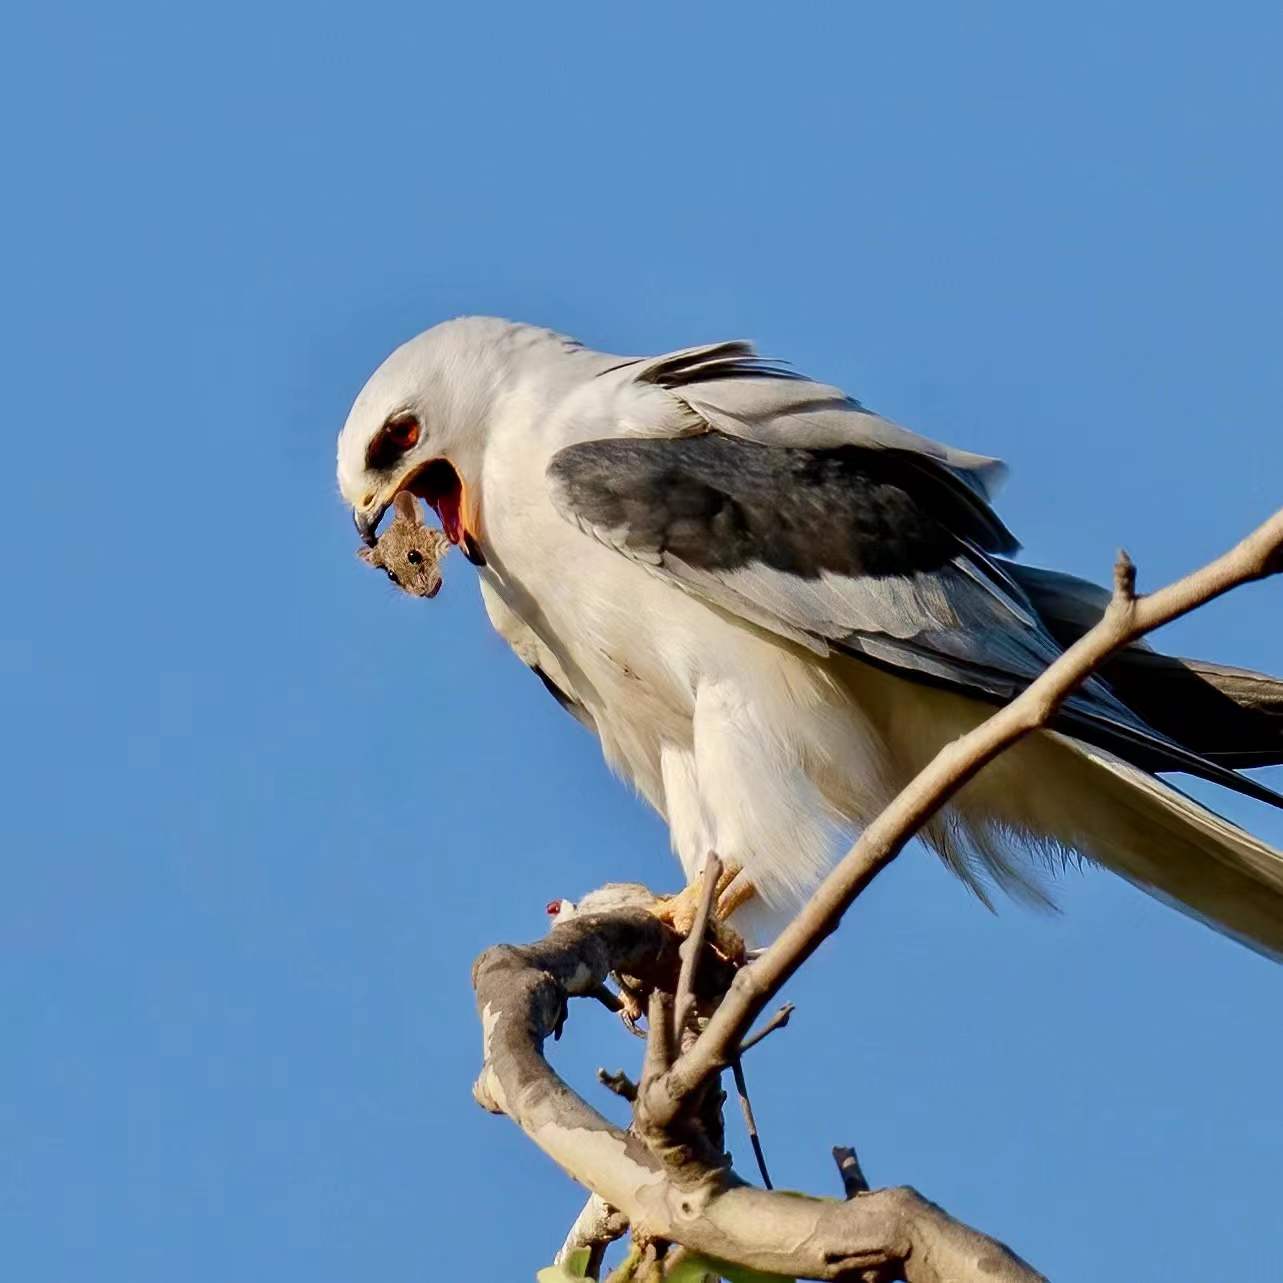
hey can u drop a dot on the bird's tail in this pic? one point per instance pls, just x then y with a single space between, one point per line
1115 814
1230 716
1051 799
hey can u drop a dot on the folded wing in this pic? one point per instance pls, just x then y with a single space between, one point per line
800 512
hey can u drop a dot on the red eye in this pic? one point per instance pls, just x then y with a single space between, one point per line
403 433
394 438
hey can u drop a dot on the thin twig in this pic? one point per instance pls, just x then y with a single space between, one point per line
853 1179
777 1021
750 1123
1127 618
658 1057
693 946
618 1082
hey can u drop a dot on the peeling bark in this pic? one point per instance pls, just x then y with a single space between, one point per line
522 994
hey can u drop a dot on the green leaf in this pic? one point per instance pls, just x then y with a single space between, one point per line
571 1270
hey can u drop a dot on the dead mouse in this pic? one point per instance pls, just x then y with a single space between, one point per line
408 551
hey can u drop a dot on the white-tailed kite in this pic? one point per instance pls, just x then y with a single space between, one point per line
773 607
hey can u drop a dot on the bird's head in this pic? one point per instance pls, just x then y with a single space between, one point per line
419 426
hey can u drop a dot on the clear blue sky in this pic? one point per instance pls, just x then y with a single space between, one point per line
260 812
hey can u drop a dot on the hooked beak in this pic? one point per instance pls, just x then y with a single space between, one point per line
367 521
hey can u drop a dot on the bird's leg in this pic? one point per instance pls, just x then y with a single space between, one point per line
679 912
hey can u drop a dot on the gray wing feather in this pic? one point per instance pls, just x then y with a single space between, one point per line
865 546
736 391
1230 715
822 546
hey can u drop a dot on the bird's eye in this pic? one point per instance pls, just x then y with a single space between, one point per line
392 440
414 556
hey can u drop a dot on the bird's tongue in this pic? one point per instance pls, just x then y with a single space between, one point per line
439 484
447 506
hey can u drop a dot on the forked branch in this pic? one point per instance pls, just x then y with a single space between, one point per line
670 1195
886 1234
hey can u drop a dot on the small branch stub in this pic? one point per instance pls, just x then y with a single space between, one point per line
1125 577
618 1082
596 1227
778 1021
853 1179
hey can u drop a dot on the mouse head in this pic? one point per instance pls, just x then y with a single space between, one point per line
409 552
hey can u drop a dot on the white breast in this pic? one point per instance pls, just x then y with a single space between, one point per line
731 733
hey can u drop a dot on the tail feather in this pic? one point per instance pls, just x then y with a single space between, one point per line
1052 800
1230 716
1199 862
1059 794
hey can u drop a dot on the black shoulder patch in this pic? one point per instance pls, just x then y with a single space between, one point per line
719 502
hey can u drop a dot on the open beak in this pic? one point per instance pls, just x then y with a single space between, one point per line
438 483
367 521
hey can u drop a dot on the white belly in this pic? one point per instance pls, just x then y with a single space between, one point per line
746 744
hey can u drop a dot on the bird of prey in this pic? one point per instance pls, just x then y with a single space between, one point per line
773 607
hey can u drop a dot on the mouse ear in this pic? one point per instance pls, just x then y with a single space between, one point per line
407 507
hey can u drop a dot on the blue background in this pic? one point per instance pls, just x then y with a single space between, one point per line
261 812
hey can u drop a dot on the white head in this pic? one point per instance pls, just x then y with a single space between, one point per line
420 422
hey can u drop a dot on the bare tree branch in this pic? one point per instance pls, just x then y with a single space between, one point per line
853 1178
886 1234
667 1185
596 1227
618 1082
660 1042
1127 618
750 1122
693 946
777 1021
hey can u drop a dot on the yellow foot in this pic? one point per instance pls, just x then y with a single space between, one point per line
679 912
